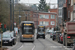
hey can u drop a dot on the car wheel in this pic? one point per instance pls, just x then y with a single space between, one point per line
43 37
37 38
32 41
11 43
14 42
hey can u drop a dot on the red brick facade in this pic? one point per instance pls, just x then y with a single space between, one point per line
53 10
47 20
69 9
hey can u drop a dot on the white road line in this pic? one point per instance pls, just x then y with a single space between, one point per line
20 47
33 47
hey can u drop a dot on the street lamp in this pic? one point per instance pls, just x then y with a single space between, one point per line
19 19
10 15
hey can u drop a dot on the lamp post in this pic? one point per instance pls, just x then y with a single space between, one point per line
10 15
19 19
13 14
1 32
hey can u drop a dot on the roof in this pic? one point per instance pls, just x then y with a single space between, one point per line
26 22
48 12
45 12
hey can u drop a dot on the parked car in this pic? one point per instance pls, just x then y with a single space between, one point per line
54 36
13 37
7 39
58 34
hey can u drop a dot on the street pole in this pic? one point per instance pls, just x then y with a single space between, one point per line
1 32
19 17
13 14
10 16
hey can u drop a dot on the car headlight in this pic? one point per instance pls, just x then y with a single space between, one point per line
10 40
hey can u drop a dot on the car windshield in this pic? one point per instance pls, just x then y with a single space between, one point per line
6 36
40 33
12 34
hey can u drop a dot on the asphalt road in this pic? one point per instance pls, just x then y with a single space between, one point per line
38 44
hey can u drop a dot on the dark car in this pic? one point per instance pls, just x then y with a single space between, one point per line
41 31
7 39
54 36
41 34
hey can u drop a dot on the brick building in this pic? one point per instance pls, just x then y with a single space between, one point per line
68 10
53 10
47 19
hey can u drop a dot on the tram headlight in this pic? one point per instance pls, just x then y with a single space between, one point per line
22 35
32 35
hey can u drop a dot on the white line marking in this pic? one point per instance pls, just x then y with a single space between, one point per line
33 47
20 47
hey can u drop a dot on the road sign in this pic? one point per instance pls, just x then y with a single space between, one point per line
15 23
0 25
4 25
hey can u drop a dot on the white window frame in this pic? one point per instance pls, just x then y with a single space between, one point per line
52 16
47 16
46 23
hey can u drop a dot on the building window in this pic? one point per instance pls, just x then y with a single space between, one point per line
44 23
41 16
44 16
71 2
74 7
68 14
52 16
71 16
52 23
41 22
60 12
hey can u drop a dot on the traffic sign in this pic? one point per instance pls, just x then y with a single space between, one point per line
15 23
0 25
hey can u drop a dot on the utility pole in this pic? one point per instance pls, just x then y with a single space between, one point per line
10 15
13 14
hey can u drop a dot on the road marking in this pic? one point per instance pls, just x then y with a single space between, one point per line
33 47
20 47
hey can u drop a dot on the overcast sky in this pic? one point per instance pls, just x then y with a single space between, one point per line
37 1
